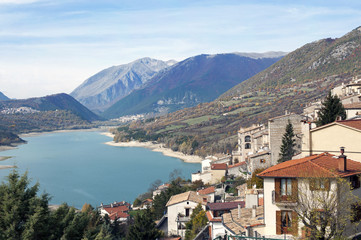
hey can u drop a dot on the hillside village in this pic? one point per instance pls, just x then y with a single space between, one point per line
323 155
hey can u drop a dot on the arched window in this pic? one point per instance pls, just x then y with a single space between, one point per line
236 160
247 146
247 138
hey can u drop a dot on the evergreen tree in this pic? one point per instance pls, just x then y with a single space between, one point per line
331 109
23 215
144 227
288 143
197 221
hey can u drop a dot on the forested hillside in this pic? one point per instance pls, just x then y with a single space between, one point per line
301 77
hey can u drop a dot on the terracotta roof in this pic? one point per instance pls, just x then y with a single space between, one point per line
236 165
219 166
225 205
207 190
186 196
319 165
238 225
351 123
356 105
211 218
117 212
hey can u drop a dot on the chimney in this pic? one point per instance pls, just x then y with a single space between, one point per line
111 205
342 164
254 211
239 211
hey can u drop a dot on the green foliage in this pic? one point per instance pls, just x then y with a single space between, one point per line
144 227
160 201
197 221
288 143
137 202
331 109
24 215
254 180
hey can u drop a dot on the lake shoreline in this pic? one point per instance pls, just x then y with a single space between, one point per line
156 147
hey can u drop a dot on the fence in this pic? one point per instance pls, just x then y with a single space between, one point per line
243 238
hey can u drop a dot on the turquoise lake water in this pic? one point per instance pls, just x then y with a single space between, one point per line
77 167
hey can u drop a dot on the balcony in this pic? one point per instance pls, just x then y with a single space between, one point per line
283 200
183 219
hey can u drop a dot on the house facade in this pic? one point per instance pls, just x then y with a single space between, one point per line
332 136
288 184
179 210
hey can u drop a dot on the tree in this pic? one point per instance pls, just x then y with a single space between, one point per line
324 206
254 180
331 109
197 221
23 215
288 143
144 227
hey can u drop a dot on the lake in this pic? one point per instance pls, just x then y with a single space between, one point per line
77 167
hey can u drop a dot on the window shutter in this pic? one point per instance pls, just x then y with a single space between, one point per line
294 189
327 184
278 222
277 189
294 224
312 184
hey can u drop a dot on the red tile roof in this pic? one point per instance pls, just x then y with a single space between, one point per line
351 123
237 165
117 212
219 166
356 105
211 218
225 205
207 190
319 165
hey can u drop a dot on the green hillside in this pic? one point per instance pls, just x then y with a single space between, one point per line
300 77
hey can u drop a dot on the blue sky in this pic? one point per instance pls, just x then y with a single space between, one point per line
50 46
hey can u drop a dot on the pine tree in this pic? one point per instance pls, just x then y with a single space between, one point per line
331 109
144 227
288 143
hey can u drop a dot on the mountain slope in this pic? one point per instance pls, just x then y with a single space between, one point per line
195 80
110 85
300 77
3 97
315 60
54 102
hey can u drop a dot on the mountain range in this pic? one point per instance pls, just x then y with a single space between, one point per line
195 80
301 77
110 85
3 97
53 102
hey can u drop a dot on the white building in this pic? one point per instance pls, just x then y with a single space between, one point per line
180 208
287 183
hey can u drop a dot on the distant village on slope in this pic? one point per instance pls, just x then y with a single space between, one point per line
236 204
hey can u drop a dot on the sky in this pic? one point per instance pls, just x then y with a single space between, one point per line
52 46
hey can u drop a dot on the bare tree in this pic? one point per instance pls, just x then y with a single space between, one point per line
324 206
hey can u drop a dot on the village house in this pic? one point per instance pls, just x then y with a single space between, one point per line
179 210
160 189
330 137
116 211
259 146
209 192
288 183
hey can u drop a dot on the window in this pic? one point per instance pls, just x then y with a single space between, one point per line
187 212
286 222
320 184
247 138
286 190
355 182
262 161
286 187
247 146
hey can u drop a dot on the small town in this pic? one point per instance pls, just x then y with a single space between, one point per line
302 189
